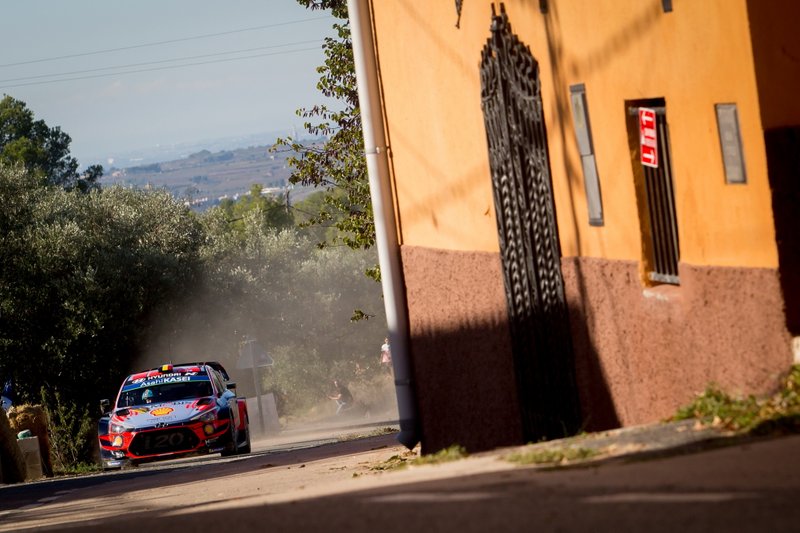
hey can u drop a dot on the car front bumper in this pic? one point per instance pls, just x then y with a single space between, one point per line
155 443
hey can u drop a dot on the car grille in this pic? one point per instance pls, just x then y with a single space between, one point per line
163 441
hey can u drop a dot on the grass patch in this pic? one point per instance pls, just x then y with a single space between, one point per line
777 414
78 469
551 456
397 462
374 433
453 453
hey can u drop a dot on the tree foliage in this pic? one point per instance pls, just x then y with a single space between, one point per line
335 162
270 211
41 149
82 274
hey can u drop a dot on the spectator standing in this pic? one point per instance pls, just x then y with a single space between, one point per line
386 355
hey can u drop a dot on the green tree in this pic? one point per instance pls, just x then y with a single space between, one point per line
270 211
41 149
336 161
307 210
83 277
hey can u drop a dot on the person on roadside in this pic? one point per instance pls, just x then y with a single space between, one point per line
386 355
8 395
342 396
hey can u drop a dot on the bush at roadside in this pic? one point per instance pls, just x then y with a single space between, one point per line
12 464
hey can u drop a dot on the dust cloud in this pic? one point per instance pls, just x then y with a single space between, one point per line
308 347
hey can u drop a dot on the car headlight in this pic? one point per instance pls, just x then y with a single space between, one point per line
117 428
208 416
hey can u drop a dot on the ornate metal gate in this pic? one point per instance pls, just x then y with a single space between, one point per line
528 234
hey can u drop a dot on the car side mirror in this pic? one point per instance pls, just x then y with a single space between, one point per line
231 385
105 406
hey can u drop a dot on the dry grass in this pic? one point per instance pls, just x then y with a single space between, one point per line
776 414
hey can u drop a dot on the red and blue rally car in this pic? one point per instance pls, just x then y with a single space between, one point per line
172 411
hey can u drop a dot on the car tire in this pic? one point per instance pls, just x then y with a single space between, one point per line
245 448
231 445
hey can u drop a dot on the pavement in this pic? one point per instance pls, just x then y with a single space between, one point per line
660 477
634 443
629 443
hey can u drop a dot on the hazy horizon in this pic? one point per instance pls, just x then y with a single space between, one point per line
147 76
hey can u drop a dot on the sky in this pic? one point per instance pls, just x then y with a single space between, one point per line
107 72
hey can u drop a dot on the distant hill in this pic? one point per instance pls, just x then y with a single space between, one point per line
204 178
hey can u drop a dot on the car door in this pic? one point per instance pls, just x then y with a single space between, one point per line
225 397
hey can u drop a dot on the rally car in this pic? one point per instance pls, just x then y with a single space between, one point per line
173 411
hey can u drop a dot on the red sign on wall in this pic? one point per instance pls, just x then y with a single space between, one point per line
648 141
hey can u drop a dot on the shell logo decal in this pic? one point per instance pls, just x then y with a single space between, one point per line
161 411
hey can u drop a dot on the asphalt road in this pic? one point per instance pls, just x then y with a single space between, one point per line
27 499
341 486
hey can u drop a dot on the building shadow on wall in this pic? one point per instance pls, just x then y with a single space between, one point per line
465 387
468 393
783 161
598 412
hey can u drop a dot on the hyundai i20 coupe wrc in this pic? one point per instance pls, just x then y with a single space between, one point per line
172 411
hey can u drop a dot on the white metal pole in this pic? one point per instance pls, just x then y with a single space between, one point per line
376 153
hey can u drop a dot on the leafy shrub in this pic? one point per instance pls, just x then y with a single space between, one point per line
72 434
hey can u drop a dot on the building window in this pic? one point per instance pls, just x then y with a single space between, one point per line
583 134
730 142
648 136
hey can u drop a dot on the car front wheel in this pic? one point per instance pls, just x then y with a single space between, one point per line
245 447
230 445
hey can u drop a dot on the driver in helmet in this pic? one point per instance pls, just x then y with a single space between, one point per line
147 396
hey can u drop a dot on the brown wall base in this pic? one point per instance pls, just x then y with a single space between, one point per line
460 350
640 353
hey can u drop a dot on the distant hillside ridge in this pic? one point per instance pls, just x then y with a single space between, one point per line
204 178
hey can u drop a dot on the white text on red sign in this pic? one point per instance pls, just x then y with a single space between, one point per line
648 138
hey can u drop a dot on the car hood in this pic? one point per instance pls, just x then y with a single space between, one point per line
144 416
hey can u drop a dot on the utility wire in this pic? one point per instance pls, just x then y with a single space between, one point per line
159 68
158 43
186 58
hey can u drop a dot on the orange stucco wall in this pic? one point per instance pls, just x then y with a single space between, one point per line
429 74
696 56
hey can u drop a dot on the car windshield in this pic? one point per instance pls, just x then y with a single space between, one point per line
168 392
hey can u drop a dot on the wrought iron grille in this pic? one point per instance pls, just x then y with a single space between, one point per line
528 234
661 208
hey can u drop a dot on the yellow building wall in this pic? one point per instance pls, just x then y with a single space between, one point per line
694 57
431 84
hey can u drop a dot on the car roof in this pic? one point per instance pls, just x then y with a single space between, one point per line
182 367
213 364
